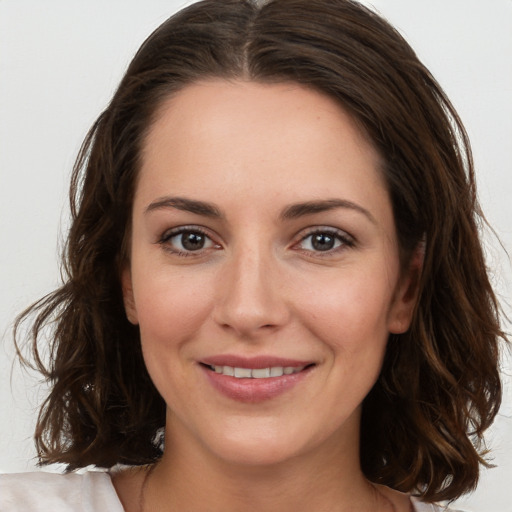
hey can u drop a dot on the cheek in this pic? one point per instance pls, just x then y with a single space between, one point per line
171 310
349 316
350 311
170 307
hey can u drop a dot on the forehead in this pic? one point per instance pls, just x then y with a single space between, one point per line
230 105
263 139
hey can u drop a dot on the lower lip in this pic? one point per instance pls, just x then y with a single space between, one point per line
254 390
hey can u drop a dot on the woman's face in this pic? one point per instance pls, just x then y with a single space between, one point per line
264 270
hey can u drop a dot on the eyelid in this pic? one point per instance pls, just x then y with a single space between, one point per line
347 240
192 228
169 233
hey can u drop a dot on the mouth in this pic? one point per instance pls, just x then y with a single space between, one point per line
254 380
256 373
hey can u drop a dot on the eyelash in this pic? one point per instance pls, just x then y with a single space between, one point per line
345 241
168 235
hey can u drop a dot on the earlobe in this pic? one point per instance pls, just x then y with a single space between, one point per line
128 298
407 291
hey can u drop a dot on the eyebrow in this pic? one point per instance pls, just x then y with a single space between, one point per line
297 210
290 212
185 204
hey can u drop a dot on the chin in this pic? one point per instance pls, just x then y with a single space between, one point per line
254 443
256 453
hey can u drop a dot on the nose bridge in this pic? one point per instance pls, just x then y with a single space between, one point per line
251 290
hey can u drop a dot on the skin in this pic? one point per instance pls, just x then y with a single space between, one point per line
259 286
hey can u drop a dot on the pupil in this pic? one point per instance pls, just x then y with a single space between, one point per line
192 241
323 242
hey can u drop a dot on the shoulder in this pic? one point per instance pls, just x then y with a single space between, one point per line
429 507
41 491
403 500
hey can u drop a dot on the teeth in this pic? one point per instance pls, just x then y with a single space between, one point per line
260 373
228 370
276 371
257 373
243 373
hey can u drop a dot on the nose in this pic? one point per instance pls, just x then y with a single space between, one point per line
251 295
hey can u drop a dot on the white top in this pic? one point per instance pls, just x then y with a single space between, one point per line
51 492
87 492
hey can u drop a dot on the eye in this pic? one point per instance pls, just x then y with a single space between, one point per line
325 241
185 241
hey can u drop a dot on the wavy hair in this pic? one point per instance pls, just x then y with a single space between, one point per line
439 389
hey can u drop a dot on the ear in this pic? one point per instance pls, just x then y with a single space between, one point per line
128 298
406 293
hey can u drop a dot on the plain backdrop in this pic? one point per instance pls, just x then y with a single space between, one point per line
60 61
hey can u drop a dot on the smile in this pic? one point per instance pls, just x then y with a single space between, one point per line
256 373
253 380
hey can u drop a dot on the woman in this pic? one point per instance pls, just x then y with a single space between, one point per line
275 255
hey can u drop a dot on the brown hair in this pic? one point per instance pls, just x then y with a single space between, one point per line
439 388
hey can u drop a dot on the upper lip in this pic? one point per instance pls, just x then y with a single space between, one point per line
253 362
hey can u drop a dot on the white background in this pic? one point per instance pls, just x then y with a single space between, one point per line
60 61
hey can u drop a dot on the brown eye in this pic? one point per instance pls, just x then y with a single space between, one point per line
325 241
185 241
192 241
